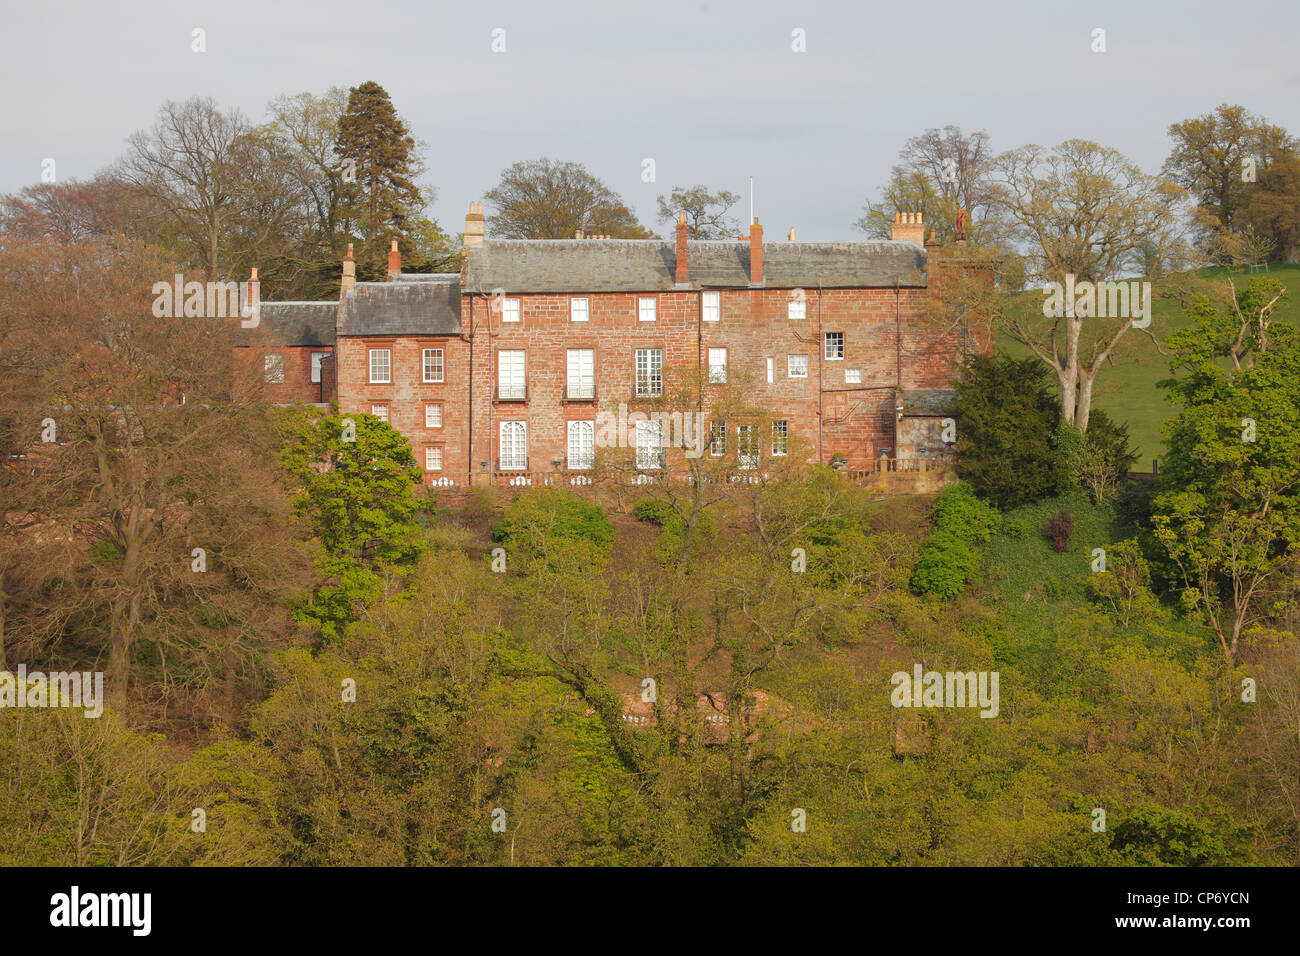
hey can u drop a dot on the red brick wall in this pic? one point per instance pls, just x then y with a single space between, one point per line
857 419
407 394
297 385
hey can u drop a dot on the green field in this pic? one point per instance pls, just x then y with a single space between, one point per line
1127 390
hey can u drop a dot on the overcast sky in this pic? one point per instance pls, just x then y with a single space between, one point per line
712 91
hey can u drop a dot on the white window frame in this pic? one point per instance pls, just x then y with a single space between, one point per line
429 407
581 444
512 437
650 452
797 309
747 437
647 308
711 306
579 313
654 370
383 366
580 383
853 376
428 449
781 430
512 383
432 367
827 344
273 368
512 310
379 410
790 367
771 369
717 439
717 369
317 361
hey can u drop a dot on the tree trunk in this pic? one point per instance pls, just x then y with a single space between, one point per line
1083 410
124 623
1068 377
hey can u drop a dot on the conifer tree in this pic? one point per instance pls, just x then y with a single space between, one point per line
381 200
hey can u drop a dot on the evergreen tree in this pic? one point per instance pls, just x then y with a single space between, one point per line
382 200
1007 417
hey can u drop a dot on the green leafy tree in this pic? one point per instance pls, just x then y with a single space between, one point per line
1210 157
1228 514
1125 585
357 476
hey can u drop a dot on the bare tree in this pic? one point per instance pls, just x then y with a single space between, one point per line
1083 210
194 162
544 199
706 212
151 460
940 173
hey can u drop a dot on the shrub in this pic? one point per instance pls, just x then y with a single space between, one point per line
1125 585
1059 530
654 511
1103 458
946 564
1016 527
552 513
959 512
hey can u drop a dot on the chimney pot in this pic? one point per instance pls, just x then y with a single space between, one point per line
791 236
908 227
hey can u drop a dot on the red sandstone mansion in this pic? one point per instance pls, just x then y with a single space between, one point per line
504 371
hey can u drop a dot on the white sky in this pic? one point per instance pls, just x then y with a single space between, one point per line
710 90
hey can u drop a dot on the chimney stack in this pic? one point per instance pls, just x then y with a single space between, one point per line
474 227
394 262
755 253
908 227
349 272
683 276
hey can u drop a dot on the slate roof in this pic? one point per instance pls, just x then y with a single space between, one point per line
296 324
649 265
927 402
429 305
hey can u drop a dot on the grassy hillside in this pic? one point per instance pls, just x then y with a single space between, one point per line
1127 391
